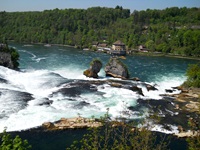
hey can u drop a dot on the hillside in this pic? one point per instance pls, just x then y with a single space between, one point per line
172 30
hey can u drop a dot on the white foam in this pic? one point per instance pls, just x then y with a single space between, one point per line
71 72
41 83
162 84
38 82
160 128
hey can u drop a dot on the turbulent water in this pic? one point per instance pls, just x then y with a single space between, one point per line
51 85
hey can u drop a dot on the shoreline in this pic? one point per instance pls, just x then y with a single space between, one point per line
131 54
164 55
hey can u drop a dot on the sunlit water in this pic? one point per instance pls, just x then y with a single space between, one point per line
34 94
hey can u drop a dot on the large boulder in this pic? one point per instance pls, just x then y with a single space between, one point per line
116 69
95 67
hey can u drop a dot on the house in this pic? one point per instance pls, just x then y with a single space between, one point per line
118 48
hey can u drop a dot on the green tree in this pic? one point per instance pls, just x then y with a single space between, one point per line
193 76
177 28
118 135
9 143
150 45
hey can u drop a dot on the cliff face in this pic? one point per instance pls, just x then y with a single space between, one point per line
6 60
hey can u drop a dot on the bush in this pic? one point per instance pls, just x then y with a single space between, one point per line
14 54
14 57
95 60
193 76
7 143
118 135
194 141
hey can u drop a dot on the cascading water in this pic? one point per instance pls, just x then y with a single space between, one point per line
51 85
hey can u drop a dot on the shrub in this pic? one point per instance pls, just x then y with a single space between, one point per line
8 143
14 57
118 135
95 60
193 76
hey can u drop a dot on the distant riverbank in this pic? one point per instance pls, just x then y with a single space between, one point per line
165 55
156 54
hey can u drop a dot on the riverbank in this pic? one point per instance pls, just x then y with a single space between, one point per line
164 55
155 54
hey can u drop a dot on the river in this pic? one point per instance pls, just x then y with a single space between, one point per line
34 94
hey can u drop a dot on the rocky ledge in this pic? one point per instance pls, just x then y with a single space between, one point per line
71 123
189 99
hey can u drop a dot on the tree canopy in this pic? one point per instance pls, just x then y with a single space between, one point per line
172 30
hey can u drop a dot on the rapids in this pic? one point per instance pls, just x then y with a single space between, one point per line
51 85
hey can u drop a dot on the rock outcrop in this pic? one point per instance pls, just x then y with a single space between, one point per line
5 60
8 57
95 67
138 90
189 98
71 123
150 87
116 69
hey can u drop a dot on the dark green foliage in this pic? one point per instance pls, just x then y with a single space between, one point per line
117 135
95 60
14 57
13 52
8 143
172 30
124 65
193 76
194 142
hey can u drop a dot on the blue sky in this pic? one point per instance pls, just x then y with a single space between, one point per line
39 5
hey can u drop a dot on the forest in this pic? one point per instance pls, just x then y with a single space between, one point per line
172 30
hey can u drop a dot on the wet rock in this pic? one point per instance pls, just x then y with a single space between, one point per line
81 105
95 67
135 79
151 88
169 91
70 91
5 60
46 102
3 80
114 84
137 89
115 68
